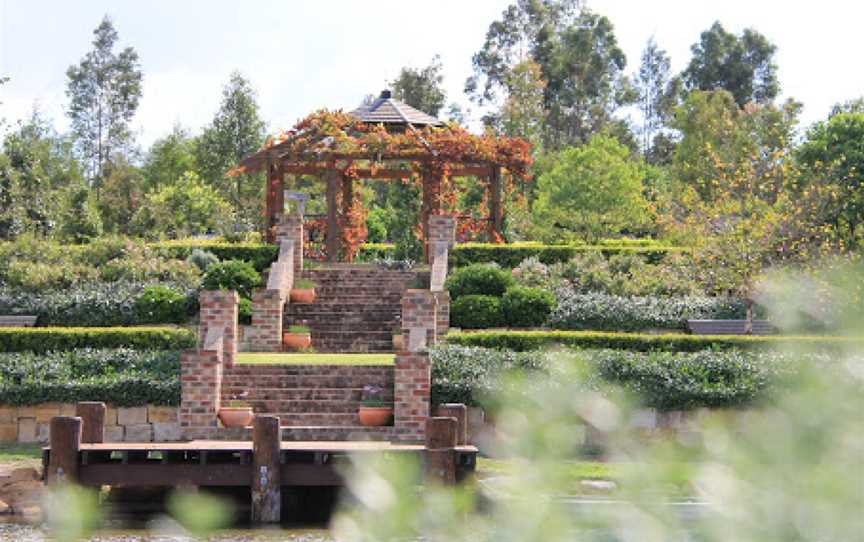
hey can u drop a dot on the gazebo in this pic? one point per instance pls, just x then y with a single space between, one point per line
390 141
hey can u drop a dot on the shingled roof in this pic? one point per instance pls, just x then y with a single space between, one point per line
386 110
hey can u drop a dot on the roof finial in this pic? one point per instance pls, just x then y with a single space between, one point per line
386 94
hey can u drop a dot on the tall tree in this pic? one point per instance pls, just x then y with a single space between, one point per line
658 92
743 65
579 60
421 88
104 90
236 131
522 114
169 158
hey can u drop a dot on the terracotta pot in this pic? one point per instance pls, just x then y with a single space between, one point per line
236 416
302 295
296 341
397 343
375 416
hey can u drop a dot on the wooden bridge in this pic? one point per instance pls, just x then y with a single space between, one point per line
78 455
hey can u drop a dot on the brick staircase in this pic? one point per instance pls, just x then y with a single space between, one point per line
314 402
355 310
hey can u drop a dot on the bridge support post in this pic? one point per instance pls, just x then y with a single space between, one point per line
441 450
266 472
460 412
65 441
92 414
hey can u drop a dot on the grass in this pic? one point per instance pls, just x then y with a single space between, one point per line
576 470
14 451
278 358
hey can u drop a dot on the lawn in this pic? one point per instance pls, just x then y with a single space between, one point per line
11 452
313 359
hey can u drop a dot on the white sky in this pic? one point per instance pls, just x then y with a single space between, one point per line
303 55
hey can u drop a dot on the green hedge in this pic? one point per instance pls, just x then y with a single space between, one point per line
512 254
259 255
46 339
522 341
122 377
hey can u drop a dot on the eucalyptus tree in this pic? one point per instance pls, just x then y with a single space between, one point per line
421 88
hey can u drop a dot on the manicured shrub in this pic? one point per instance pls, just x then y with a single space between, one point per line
512 254
526 307
232 275
597 311
476 312
94 304
479 279
202 259
260 255
244 311
122 377
642 342
159 304
46 339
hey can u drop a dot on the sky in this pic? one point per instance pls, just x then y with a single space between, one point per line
304 55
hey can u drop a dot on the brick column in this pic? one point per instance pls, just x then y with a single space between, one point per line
265 333
412 381
442 314
442 229
218 309
418 313
201 387
290 226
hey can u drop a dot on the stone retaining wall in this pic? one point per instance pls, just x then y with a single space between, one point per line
122 424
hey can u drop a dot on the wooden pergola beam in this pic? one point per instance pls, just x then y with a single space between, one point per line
385 173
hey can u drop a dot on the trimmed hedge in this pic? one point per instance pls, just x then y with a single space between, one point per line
46 339
663 380
600 311
512 254
123 377
95 304
522 341
476 312
260 255
479 279
526 307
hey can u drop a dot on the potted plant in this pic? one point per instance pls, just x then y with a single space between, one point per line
297 338
237 413
303 291
397 338
374 410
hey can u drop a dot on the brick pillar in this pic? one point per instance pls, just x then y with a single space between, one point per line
201 388
418 314
218 308
265 333
442 229
412 382
442 314
290 226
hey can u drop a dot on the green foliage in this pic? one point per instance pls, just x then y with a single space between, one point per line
476 311
421 88
526 307
590 191
93 304
478 279
376 227
641 342
743 65
80 221
244 311
232 275
258 254
186 207
512 254
48 339
122 377
169 158
202 259
599 311
159 304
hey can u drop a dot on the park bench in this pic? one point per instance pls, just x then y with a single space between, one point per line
729 327
17 321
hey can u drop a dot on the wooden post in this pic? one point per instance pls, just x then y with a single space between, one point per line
92 414
347 204
441 450
334 237
430 205
496 209
460 412
65 443
266 472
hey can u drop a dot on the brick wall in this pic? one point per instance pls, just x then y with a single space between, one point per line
418 313
265 333
411 388
218 309
442 229
290 227
122 424
200 393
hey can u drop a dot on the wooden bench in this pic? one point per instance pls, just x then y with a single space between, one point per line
729 327
17 321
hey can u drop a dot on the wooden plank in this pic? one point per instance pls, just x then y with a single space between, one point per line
162 474
266 472
63 465
385 174
460 412
239 446
92 414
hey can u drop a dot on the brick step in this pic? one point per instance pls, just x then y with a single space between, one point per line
338 419
337 316
310 370
235 385
305 407
341 306
331 433
297 394
342 296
